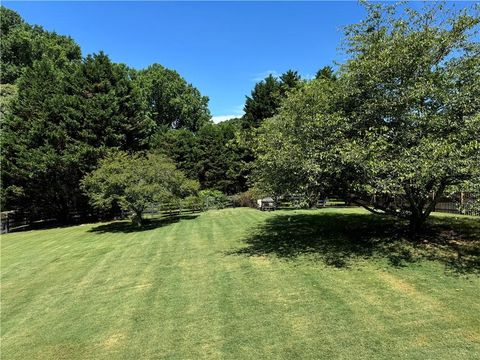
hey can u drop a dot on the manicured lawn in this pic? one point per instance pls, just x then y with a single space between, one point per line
243 284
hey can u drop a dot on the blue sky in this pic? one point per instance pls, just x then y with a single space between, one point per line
222 48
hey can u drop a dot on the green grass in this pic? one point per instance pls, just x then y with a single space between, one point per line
243 284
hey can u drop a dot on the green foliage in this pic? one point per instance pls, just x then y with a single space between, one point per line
9 20
221 157
264 100
299 150
64 113
135 182
412 92
170 101
192 202
326 73
245 199
213 199
180 145
62 121
468 201
399 125
289 80
22 44
215 155
8 92
267 95
395 127
113 107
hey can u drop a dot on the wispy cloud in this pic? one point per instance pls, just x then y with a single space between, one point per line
261 76
264 74
308 76
239 110
235 112
220 118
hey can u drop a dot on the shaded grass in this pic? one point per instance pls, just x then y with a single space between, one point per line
213 287
127 226
342 237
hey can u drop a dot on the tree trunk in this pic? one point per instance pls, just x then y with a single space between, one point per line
137 218
420 215
417 220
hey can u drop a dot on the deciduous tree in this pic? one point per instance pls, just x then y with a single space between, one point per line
170 101
400 124
135 182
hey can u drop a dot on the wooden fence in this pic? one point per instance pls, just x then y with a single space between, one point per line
459 203
18 221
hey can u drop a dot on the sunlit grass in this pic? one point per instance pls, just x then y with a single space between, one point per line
240 283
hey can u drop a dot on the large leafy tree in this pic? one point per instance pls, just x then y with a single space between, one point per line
413 95
22 44
170 101
399 126
300 149
135 182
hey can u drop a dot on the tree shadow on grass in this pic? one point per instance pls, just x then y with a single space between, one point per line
148 224
339 240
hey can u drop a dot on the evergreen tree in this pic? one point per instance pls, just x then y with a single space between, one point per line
326 73
63 121
263 102
267 96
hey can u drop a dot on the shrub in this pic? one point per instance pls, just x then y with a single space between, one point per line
244 199
213 199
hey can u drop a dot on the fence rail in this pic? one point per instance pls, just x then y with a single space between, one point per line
11 221
458 203
17 221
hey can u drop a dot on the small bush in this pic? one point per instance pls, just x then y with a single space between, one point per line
193 202
245 199
213 199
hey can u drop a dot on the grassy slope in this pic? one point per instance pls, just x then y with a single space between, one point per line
232 284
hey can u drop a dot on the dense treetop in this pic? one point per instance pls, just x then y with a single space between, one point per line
396 128
23 44
267 96
170 100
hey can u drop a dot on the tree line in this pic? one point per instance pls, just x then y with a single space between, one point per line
62 113
393 128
